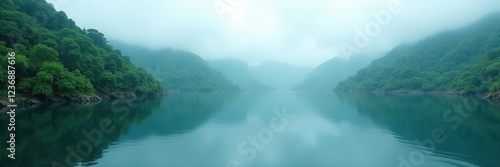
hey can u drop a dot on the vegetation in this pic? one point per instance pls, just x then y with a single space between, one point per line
482 76
55 58
465 60
178 70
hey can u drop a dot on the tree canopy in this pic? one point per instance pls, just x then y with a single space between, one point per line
464 60
56 58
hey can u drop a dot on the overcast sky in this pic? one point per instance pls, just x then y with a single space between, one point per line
301 32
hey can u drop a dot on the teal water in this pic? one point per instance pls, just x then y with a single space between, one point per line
272 129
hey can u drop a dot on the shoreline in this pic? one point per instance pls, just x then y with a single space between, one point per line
30 101
492 97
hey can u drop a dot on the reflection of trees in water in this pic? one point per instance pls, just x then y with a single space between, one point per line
43 134
415 117
180 113
328 106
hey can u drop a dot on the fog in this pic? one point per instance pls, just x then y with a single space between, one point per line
299 32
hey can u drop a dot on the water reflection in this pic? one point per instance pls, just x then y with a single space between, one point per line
233 135
182 128
53 135
223 129
460 128
181 113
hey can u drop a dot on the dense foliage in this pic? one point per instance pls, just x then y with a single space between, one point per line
239 73
178 70
465 60
55 58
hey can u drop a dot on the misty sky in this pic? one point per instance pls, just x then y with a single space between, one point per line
301 32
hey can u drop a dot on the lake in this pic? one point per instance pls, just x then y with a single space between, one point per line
266 129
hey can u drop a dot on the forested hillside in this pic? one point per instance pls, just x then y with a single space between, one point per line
327 75
177 69
463 61
56 58
239 73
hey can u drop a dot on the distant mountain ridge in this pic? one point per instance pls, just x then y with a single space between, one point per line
282 76
239 73
178 69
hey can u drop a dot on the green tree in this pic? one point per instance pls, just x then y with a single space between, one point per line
55 58
106 80
43 84
40 54
70 51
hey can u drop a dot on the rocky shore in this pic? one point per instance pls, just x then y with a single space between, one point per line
494 97
84 98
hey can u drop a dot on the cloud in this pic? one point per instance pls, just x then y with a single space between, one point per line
301 32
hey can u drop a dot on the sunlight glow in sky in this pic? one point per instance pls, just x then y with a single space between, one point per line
300 32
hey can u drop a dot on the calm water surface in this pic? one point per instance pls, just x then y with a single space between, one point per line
275 129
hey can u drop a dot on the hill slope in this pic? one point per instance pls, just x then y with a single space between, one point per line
55 58
239 73
178 70
327 75
464 60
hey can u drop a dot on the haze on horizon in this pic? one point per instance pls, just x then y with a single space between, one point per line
299 32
